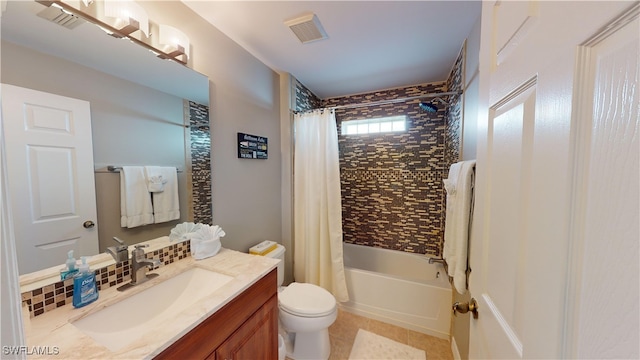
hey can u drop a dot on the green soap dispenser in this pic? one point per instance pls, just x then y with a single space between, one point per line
85 289
69 269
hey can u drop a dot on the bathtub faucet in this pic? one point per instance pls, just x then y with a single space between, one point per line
436 260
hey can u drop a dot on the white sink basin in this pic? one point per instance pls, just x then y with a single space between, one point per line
120 324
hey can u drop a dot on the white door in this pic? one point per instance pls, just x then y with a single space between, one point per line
51 179
523 236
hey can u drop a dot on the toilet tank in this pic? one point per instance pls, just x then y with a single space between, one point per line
278 253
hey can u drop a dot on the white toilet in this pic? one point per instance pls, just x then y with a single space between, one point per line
305 311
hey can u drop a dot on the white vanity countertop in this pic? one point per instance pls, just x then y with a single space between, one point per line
54 330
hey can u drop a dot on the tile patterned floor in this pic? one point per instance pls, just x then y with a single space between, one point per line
343 332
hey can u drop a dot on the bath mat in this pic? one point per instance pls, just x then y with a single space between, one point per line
369 346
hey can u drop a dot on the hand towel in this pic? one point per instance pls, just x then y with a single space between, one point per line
166 204
135 200
458 212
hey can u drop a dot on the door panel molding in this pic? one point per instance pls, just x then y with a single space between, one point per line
582 137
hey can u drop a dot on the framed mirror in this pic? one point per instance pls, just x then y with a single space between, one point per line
137 100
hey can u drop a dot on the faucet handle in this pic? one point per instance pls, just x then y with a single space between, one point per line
138 252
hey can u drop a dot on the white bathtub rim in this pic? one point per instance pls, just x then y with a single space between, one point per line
440 285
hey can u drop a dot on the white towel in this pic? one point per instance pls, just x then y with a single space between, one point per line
166 204
135 200
456 229
205 242
155 180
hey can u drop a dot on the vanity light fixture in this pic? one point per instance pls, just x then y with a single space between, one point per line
129 16
176 43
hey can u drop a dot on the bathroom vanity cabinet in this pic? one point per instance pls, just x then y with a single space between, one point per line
245 328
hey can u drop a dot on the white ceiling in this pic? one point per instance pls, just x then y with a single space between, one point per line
372 45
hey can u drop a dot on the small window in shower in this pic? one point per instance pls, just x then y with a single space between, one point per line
372 126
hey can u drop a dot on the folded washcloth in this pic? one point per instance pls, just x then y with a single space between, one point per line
156 183
155 178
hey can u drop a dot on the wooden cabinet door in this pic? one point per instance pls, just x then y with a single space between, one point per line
257 338
258 305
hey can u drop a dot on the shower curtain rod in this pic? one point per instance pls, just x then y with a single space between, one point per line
391 101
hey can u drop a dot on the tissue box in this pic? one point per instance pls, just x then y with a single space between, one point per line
263 248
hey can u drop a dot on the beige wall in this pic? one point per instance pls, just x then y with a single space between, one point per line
244 97
131 125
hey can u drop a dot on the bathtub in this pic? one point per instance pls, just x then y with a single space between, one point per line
399 288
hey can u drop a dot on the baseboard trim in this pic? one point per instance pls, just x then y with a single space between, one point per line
454 349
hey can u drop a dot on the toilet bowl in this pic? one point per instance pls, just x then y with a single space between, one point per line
305 312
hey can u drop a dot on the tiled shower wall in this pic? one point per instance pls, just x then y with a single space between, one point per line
305 99
392 192
392 182
453 134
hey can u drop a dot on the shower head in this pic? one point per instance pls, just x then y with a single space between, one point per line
428 107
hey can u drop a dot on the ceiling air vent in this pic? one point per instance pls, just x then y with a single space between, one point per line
307 28
61 17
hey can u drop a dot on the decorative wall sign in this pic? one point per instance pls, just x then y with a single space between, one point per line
252 146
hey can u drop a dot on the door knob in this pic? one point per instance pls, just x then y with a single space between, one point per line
88 224
465 307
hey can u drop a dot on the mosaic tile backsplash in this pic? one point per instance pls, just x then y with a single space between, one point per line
56 295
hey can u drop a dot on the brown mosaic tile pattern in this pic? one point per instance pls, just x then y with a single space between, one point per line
305 99
392 183
200 139
454 113
453 135
51 297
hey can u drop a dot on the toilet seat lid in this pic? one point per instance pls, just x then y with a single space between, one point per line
306 300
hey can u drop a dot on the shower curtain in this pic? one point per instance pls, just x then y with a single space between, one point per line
317 203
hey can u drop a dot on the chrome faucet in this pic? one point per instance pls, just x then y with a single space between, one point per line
120 253
139 266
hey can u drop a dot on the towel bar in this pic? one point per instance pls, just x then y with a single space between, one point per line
112 168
